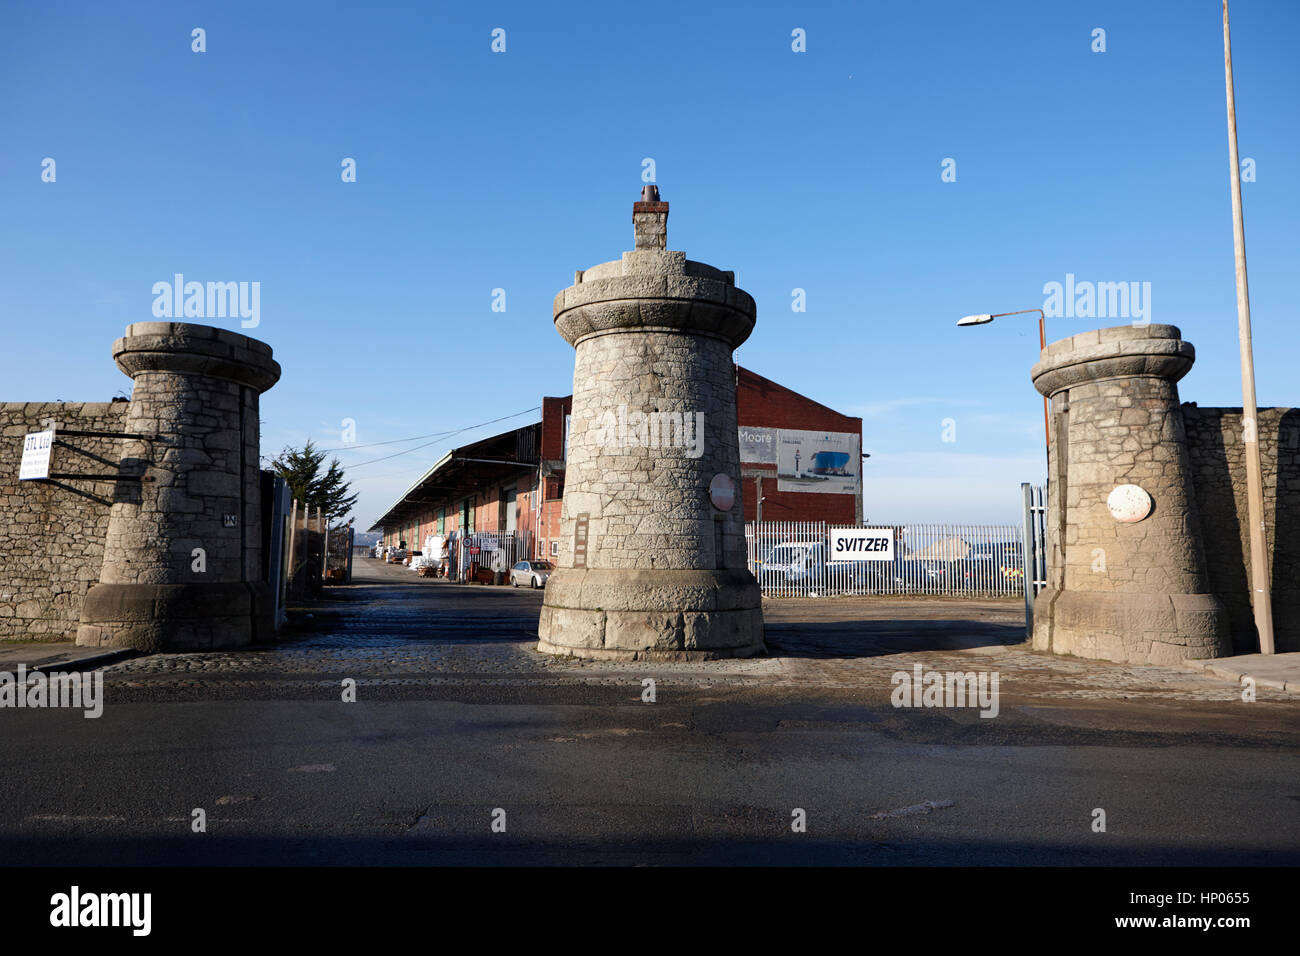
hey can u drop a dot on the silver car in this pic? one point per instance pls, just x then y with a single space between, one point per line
531 574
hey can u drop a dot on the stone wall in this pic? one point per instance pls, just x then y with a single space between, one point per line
52 532
1217 460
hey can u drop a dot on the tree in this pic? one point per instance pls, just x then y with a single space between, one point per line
301 468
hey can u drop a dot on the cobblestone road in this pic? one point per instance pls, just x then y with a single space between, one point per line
392 629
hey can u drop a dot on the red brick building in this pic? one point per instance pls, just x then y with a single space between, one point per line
800 461
763 408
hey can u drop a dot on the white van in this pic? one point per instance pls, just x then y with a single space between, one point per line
792 561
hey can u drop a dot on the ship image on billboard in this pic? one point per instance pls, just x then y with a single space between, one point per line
826 462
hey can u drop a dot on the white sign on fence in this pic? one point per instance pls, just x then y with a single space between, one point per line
862 544
36 456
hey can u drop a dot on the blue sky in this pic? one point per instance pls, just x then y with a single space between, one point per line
478 170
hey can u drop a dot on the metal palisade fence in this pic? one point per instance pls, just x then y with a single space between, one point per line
799 559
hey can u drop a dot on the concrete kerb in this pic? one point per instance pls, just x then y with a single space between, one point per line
60 657
90 662
1274 671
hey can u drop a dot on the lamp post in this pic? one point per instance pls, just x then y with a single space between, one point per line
985 318
1261 598
860 504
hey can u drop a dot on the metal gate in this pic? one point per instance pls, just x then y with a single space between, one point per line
475 552
1035 545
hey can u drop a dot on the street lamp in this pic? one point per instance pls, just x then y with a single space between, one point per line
985 318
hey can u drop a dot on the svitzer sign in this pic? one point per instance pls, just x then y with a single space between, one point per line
862 544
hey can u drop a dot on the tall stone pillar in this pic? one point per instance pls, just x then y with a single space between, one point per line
182 559
653 562
1126 573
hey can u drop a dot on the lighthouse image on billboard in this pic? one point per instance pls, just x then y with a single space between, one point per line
817 461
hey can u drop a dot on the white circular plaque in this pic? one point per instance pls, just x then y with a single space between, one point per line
1128 503
722 492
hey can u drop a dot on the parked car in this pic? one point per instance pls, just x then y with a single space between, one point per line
533 574
916 575
791 562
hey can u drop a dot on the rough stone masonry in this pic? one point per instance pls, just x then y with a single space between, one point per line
1164 582
652 562
161 524
196 397
52 532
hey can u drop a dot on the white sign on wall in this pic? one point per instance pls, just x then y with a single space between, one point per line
36 456
1128 503
862 544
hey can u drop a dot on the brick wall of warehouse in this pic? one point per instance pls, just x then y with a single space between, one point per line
762 403
554 413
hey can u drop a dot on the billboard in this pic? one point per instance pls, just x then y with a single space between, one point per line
826 462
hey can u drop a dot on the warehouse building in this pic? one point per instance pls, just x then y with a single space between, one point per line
800 461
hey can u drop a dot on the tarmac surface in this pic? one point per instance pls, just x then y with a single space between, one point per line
459 724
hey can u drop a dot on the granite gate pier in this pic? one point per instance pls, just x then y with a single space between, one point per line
1147 543
147 533
652 562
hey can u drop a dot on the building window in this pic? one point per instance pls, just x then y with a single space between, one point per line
555 548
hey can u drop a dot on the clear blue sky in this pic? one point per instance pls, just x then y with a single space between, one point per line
817 170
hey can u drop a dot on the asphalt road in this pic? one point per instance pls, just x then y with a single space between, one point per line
456 717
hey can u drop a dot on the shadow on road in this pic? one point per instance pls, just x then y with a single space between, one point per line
876 638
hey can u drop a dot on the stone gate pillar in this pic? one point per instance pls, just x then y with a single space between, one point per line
182 559
1126 576
653 560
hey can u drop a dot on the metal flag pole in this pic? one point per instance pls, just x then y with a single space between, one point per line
1260 593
